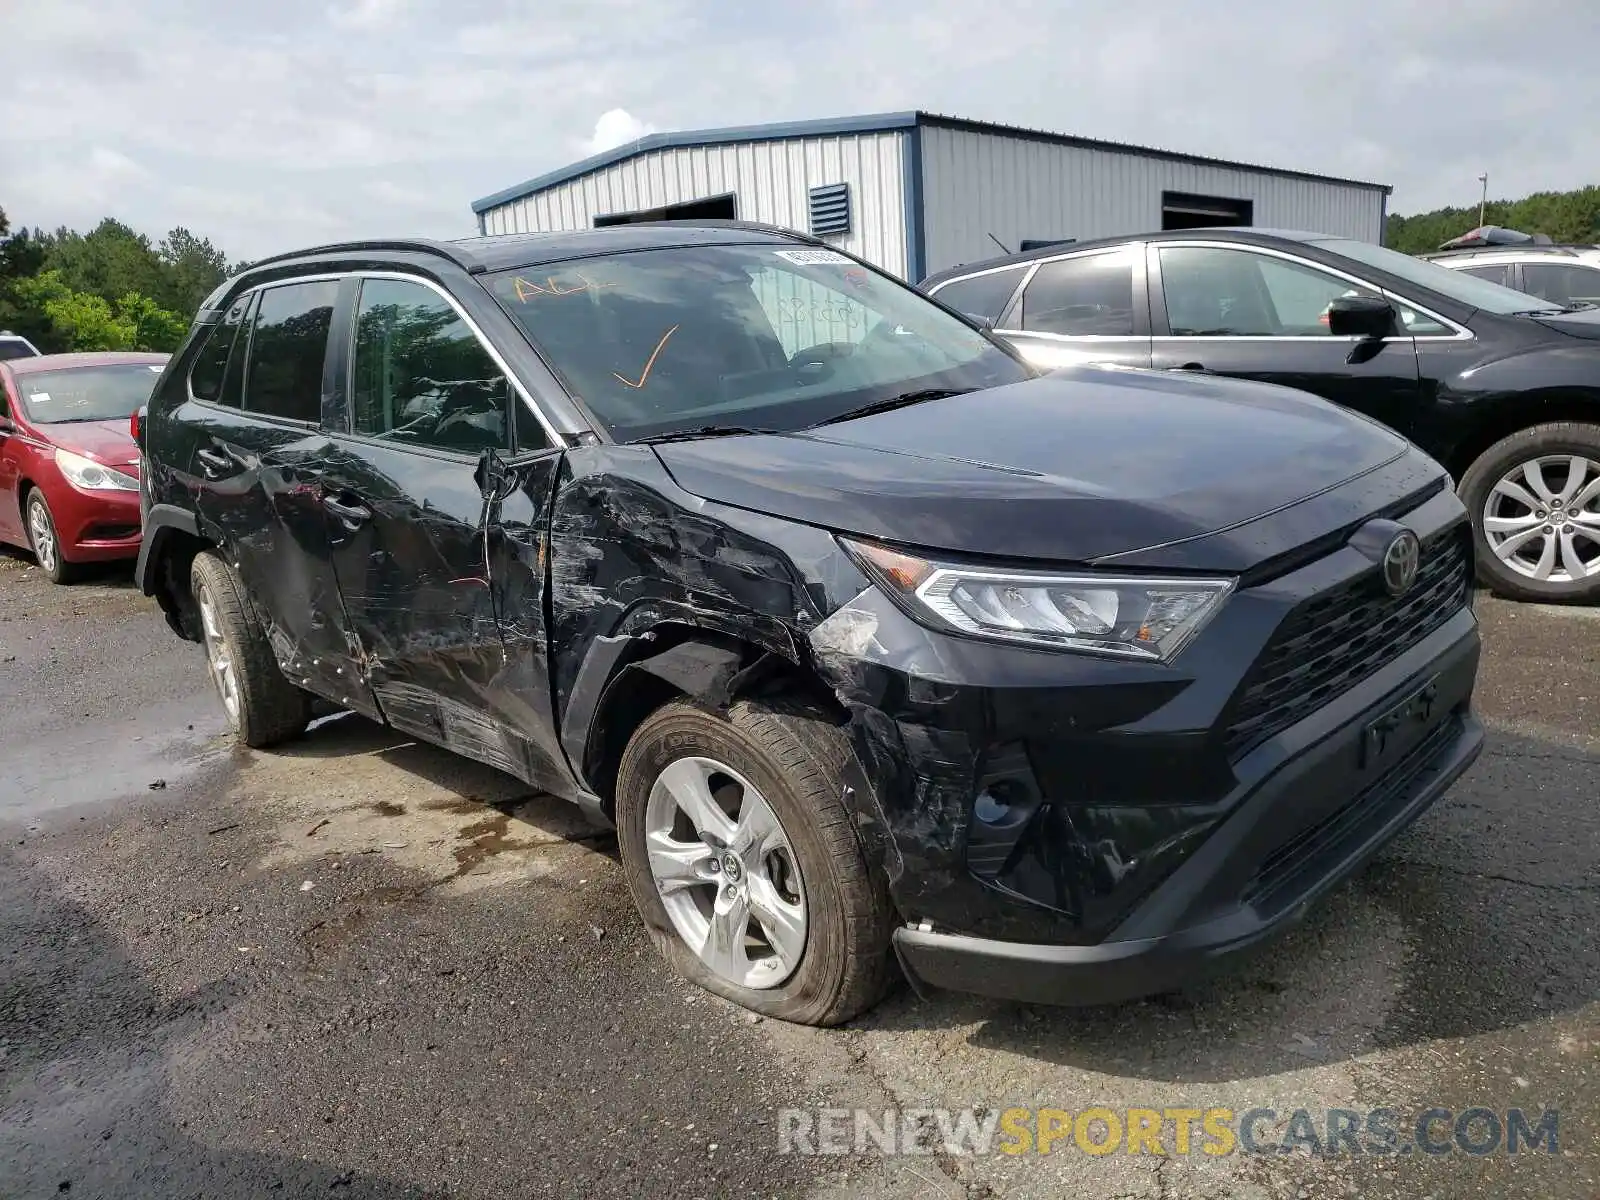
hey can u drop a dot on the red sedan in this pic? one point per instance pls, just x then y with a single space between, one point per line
69 468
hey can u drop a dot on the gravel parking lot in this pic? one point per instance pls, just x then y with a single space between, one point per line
362 967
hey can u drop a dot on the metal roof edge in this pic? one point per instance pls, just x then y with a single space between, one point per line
1067 139
872 123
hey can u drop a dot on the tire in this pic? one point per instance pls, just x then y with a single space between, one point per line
1509 562
45 542
264 708
795 761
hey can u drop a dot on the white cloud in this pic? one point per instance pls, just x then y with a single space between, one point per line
616 127
262 139
365 14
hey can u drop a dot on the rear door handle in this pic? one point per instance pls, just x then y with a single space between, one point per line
352 515
214 464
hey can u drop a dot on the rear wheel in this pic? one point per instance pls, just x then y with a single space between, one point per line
745 863
46 542
1534 500
262 706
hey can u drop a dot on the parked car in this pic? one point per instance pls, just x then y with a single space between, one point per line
1501 387
14 345
1564 275
863 636
69 466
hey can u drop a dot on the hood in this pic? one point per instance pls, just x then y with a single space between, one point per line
1074 466
108 442
1584 323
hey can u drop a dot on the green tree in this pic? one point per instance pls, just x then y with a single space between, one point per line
193 267
1562 216
78 320
154 327
109 261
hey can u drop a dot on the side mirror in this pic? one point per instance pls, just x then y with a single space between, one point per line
1362 316
494 478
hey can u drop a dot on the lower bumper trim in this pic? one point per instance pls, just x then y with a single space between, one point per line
1129 968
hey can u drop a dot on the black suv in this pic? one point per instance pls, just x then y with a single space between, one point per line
866 638
1501 387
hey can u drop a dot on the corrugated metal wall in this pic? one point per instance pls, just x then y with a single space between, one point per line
974 184
769 179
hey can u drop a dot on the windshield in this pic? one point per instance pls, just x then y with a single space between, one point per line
1458 285
762 336
107 393
11 347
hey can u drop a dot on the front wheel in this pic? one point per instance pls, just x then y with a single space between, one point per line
1534 500
46 542
745 864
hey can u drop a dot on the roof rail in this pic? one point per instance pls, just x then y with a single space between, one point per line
448 250
725 223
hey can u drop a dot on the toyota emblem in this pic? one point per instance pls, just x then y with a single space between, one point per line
1400 561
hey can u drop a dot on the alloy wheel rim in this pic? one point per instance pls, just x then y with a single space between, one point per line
726 872
218 655
44 537
1542 518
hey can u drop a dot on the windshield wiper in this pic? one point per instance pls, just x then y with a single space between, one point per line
903 400
701 431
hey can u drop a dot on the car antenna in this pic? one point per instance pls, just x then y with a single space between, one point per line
999 243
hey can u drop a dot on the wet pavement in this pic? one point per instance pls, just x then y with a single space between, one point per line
362 967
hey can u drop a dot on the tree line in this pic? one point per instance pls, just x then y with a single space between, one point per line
109 289
1563 216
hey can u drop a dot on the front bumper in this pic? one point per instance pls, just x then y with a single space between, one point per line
1297 835
1062 827
95 526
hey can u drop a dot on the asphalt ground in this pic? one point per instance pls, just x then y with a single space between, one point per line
362 967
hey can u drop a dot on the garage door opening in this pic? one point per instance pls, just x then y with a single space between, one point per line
1181 210
713 208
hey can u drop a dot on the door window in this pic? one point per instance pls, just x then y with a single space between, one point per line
1500 273
421 377
981 297
1561 283
287 350
208 376
1089 295
1212 291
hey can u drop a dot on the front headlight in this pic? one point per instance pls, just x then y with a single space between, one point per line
1126 616
92 476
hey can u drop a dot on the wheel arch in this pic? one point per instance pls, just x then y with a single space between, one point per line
1523 412
626 678
166 553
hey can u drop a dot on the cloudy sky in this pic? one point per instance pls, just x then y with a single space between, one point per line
267 126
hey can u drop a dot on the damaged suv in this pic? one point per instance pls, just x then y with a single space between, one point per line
871 642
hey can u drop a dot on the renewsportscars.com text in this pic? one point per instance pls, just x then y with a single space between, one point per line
1214 1132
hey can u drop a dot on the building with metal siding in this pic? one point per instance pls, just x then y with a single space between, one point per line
924 192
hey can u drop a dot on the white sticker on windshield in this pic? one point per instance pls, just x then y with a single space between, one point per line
812 258
41 397
156 367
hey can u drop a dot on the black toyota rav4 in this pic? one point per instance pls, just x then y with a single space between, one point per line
871 641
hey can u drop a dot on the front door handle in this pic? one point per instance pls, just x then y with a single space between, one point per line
1197 368
353 516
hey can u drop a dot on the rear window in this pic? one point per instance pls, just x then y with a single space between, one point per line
981 297
287 350
12 347
104 393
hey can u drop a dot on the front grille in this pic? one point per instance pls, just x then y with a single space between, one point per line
1336 639
1310 854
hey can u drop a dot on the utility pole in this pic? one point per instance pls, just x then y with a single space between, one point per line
1483 201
